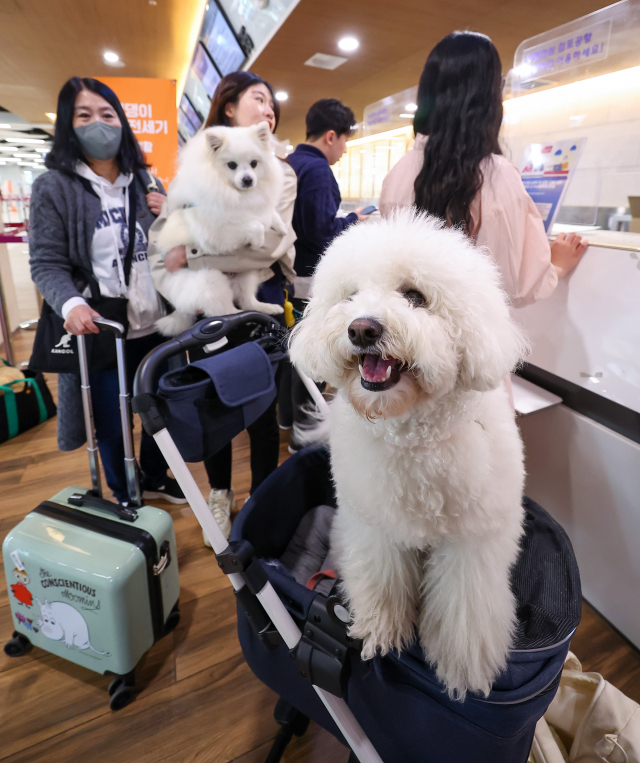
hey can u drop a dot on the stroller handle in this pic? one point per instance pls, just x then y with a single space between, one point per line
204 332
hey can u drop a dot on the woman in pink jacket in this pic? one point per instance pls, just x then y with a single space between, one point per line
456 170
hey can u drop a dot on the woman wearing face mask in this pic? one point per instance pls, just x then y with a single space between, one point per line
78 239
242 99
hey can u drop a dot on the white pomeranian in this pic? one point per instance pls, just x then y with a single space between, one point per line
408 321
224 197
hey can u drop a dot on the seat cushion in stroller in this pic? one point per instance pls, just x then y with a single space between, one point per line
397 699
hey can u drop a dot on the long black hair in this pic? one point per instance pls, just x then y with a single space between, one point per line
460 109
66 151
229 90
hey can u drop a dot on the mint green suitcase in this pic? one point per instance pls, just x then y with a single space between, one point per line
89 580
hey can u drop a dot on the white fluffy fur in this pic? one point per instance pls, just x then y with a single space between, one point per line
429 474
214 211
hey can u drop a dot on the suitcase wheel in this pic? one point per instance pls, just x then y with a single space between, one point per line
121 697
122 691
17 646
172 621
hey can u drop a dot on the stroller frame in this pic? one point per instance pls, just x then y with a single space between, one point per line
255 593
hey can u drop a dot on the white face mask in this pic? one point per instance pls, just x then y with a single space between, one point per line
99 140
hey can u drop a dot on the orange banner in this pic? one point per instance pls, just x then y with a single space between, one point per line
150 107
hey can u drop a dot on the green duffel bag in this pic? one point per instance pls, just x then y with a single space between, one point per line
26 408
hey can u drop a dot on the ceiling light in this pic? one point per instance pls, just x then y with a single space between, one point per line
5 126
25 140
348 43
407 116
25 156
289 147
51 115
411 107
111 58
281 95
325 61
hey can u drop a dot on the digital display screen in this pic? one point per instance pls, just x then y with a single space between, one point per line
190 113
206 72
220 41
202 81
185 126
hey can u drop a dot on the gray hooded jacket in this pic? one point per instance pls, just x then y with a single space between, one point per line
64 212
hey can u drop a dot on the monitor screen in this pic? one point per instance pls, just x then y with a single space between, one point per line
202 81
220 41
190 113
204 69
185 126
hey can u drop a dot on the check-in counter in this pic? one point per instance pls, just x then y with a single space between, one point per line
583 446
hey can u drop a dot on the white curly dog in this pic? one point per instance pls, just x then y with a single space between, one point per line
408 321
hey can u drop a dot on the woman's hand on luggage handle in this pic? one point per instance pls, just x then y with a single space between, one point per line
155 200
80 320
175 259
567 251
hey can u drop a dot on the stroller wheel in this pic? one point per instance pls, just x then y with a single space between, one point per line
291 722
18 646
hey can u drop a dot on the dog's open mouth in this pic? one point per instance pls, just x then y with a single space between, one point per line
378 374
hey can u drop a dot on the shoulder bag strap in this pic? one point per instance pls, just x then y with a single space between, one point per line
128 257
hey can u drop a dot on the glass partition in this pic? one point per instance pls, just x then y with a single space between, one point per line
579 85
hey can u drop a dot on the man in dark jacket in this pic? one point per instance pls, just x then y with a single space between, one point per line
315 222
329 125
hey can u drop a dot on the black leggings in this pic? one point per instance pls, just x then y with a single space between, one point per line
265 450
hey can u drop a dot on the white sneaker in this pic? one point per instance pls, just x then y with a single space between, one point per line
220 504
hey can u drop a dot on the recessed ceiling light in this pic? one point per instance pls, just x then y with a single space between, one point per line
24 140
411 107
112 59
5 126
51 115
281 95
407 116
289 147
348 43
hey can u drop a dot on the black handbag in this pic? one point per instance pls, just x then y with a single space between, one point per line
55 350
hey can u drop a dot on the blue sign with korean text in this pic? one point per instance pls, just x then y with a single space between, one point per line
546 194
566 52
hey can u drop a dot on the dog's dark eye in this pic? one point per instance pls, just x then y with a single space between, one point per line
254 163
414 298
232 166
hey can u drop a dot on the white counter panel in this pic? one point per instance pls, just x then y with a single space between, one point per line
588 330
588 478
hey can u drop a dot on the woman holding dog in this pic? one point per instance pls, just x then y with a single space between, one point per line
243 99
456 170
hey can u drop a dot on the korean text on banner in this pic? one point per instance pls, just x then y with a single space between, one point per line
150 106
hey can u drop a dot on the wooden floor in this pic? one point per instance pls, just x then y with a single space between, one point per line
198 700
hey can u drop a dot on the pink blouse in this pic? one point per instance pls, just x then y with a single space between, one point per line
504 219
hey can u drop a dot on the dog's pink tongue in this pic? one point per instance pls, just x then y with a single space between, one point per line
374 367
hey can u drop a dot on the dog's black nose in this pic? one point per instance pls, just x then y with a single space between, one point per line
364 332
247 181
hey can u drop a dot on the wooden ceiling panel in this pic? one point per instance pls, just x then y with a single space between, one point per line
44 42
395 39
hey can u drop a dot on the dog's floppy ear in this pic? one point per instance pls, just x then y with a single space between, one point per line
306 347
491 342
263 133
215 140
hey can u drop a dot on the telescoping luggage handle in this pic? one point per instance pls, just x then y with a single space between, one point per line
247 576
131 472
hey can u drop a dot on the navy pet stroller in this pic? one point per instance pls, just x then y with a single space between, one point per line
295 640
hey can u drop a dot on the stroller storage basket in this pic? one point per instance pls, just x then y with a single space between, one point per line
397 699
209 402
